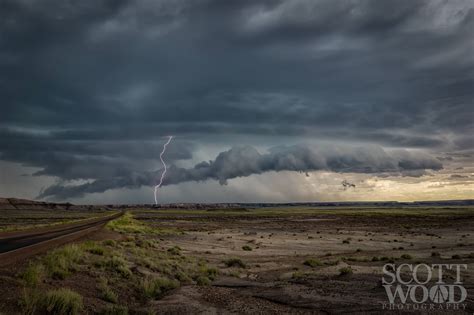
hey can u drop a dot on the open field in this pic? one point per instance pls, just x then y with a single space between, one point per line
280 260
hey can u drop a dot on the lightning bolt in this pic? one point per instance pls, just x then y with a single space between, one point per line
164 167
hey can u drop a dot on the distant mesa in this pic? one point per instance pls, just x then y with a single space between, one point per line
24 204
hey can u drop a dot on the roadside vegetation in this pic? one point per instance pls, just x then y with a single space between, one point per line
127 224
57 301
132 271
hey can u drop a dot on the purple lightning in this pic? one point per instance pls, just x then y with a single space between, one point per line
164 165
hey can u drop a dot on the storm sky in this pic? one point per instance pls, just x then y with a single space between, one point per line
267 100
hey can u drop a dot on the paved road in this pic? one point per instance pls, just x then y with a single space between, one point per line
22 244
14 242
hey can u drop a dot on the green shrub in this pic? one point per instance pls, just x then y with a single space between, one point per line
234 262
63 301
155 287
246 248
203 280
209 272
375 258
345 271
175 250
312 262
406 256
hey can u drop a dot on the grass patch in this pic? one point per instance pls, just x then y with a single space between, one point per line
30 301
94 248
106 293
119 265
62 301
62 261
406 256
234 262
128 224
247 248
33 274
155 287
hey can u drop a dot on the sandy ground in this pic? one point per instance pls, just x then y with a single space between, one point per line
277 281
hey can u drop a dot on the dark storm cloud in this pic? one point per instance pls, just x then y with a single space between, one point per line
88 87
246 161
366 64
86 159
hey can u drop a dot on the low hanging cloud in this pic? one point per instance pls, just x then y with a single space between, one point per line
245 161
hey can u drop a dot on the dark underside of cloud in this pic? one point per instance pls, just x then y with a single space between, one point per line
246 161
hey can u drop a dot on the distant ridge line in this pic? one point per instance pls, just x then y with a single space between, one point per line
466 202
14 203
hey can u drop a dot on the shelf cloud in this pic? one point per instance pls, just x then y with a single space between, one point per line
246 161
